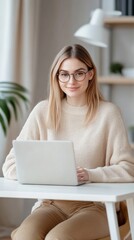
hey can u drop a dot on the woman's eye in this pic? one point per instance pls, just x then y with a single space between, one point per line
64 74
80 74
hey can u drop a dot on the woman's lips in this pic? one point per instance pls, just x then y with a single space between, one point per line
72 88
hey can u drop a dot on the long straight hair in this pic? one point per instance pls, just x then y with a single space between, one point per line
56 94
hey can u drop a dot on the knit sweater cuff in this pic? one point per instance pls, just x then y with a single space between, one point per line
95 175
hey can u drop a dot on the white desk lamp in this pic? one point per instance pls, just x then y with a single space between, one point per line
94 32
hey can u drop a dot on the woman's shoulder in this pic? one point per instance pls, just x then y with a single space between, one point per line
39 110
110 112
109 108
110 115
41 106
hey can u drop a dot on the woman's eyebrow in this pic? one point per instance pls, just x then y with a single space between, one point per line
79 69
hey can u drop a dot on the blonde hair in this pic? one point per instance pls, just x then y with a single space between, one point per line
56 94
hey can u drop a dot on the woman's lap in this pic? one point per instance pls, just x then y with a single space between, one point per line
49 223
89 223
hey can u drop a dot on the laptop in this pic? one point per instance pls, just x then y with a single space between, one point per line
45 162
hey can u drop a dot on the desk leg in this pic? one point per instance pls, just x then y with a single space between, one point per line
112 221
130 207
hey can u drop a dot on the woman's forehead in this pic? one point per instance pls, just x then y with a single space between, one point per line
71 64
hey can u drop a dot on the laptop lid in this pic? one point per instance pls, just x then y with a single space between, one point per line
45 162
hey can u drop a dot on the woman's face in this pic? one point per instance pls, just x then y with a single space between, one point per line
75 90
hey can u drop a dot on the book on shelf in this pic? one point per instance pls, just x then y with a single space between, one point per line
130 7
125 6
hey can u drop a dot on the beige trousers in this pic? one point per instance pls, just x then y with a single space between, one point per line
64 220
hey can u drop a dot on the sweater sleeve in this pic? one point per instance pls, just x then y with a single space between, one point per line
119 156
33 129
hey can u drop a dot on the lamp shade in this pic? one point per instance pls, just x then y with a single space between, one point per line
93 35
94 32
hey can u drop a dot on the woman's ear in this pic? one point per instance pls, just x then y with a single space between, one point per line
91 74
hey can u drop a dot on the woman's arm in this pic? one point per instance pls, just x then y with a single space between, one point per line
119 157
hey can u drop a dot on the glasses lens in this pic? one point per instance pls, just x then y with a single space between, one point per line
63 77
79 76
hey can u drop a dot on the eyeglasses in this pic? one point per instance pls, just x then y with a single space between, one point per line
78 76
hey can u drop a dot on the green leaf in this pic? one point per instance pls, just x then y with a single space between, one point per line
3 125
17 93
11 95
14 104
5 109
12 85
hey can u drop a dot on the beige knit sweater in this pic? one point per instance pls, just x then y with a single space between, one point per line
101 146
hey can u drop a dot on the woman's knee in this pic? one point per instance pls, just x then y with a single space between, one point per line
32 228
38 224
59 233
28 232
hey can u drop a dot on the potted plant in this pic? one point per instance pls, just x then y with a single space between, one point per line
116 67
11 96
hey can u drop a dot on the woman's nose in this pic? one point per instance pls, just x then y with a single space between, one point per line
71 79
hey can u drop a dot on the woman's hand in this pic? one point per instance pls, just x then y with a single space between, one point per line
82 174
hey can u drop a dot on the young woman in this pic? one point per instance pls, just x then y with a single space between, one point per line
76 111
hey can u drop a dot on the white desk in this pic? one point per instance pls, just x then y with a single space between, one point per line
99 192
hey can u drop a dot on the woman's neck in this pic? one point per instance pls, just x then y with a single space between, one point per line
76 102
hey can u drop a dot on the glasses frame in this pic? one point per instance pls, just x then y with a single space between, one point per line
73 74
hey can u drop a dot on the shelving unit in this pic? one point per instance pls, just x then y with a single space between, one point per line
116 80
122 21
119 21
113 22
